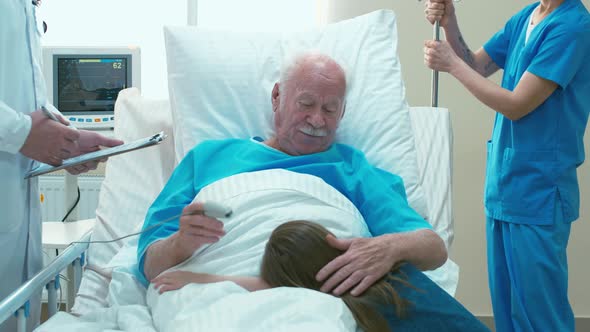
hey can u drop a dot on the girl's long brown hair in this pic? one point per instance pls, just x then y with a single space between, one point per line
297 250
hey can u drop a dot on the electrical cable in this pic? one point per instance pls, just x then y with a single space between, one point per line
210 209
73 206
143 231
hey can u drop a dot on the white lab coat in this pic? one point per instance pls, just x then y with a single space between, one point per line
22 90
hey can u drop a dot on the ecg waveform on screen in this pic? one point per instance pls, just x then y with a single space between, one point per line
90 84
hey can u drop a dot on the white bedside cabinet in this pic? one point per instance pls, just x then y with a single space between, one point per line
58 236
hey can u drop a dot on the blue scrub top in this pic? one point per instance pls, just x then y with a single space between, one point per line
531 162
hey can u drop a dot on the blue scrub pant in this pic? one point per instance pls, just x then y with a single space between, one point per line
527 270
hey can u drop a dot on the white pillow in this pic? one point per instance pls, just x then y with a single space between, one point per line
132 182
220 86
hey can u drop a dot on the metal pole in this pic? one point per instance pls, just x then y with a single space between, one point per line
192 7
51 297
10 304
21 320
71 282
434 91
78 264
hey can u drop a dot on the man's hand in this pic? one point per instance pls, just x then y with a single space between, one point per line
439 10
50 142
90 141
364 261
196 229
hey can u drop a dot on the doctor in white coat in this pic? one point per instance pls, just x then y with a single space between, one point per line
27 136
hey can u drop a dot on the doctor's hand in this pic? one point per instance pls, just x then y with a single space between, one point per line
440 10
50 142
363 263
90 141
439 55
196 230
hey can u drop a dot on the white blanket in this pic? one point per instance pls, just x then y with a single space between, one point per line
261 201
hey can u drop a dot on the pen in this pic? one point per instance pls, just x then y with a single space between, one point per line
52 116
49 114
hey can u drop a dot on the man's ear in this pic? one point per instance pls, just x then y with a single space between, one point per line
275 98
343 110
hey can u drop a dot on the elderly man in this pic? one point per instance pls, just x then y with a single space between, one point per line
308 103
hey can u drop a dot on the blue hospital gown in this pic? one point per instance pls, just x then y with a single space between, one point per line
379 196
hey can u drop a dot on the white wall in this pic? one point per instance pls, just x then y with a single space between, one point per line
472 123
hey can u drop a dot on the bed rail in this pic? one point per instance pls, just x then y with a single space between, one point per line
17 303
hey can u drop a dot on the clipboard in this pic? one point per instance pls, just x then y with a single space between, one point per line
99 154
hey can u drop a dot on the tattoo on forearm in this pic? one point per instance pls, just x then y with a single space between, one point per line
489 68
467 55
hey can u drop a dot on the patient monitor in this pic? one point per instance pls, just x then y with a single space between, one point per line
84 82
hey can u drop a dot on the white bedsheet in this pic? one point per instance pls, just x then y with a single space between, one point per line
261 201
434 141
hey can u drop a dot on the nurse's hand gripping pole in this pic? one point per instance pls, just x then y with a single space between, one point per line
434 88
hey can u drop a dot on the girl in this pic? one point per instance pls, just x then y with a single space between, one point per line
294 254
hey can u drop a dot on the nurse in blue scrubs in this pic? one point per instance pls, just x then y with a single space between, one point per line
531 191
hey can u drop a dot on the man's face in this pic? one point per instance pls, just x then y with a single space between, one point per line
308 109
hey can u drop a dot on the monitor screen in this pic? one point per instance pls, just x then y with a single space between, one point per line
89 84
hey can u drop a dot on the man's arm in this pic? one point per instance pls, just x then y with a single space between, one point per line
163 255
422 248
36 136
195 230
163 246
14 129
400 233
366 260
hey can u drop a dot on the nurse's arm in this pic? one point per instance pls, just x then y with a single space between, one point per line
530 92
480 61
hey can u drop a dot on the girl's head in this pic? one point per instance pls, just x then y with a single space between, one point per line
297 250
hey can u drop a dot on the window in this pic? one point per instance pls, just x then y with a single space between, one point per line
140 22
260 15
117 23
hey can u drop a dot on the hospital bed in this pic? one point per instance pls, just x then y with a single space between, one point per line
212 95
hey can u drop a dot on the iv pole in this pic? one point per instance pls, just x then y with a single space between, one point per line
434 90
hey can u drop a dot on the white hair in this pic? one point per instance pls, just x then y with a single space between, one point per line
295 60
